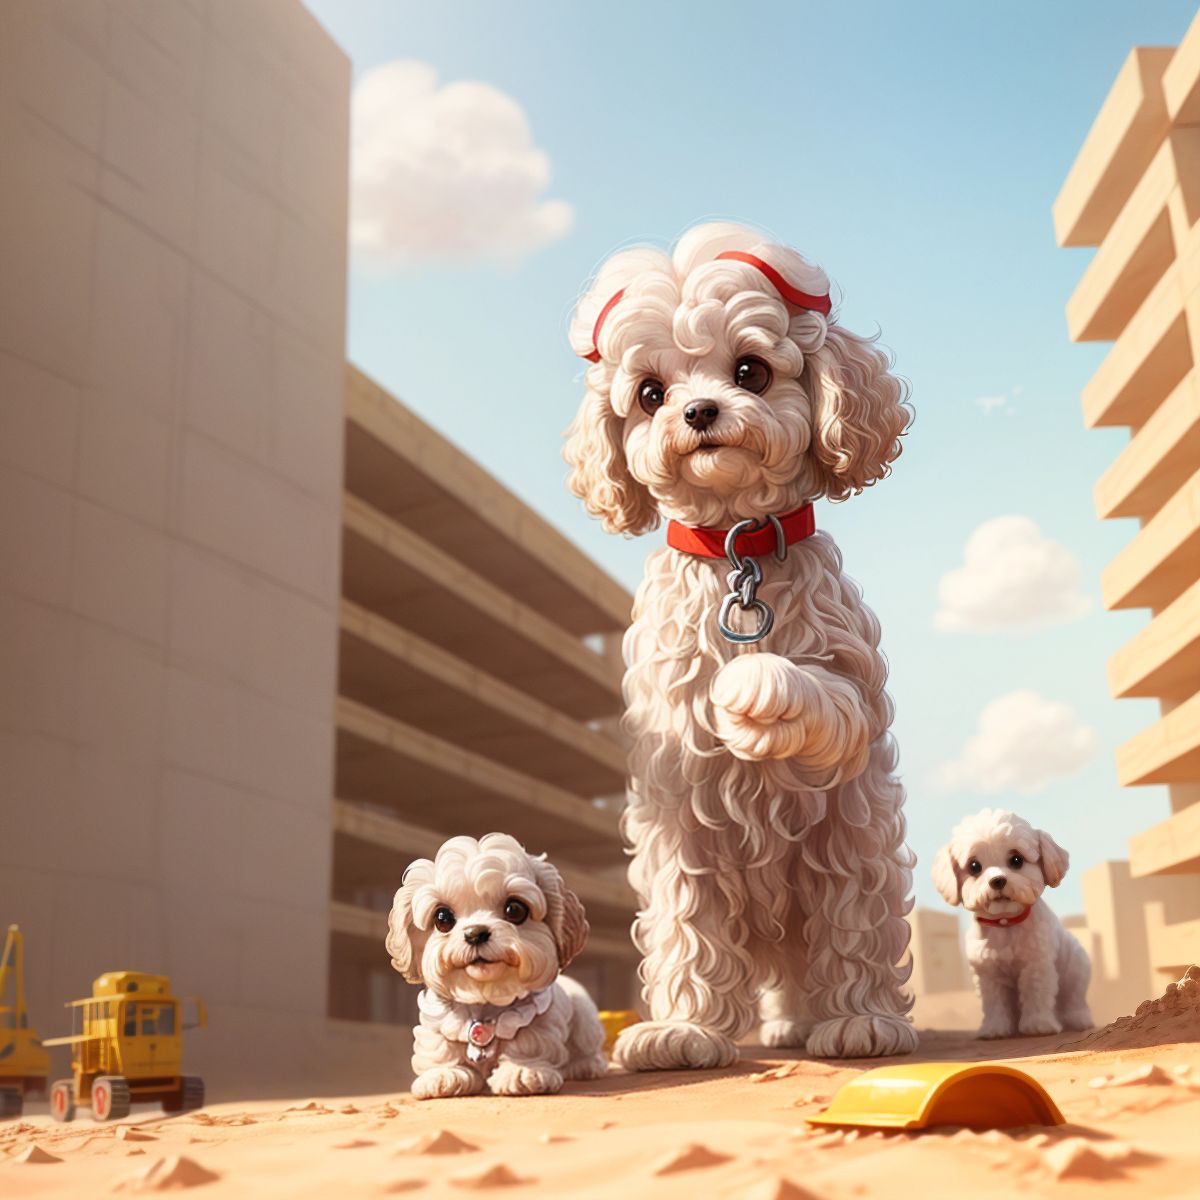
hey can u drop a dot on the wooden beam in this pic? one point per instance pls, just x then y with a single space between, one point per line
1167 752
1172 847
1163 659
413 841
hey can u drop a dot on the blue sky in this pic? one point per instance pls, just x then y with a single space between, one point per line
914 151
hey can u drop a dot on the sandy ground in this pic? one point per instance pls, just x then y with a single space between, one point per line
1130 1095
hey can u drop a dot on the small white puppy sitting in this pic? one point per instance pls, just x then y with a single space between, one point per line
487 927
1031 974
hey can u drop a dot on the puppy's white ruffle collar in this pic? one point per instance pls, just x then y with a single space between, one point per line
481 1026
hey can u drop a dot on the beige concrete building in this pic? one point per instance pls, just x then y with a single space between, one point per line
939 963
214 758
1134 194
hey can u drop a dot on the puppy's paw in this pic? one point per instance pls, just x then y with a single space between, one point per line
442 1082
672 1046
1038 1024
516 1079
862 1037
1078 1018
781 1032
997 1027
595 1066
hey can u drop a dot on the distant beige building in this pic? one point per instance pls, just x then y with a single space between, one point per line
1134 194
939 963
264 636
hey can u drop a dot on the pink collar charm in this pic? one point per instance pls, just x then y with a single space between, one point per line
481 1041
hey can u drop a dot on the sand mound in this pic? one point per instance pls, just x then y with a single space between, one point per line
1173 1017
689 1158
440 1141
167 1174
33 1153
779 1189
488 1177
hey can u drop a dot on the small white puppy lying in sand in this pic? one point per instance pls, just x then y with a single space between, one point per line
487 927
1031 974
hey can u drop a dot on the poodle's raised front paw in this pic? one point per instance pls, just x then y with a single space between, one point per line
672 1046
862 1037
783 1033
442 1082
1038 1024
516 1079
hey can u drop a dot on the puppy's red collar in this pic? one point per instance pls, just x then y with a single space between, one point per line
1023 915
710 543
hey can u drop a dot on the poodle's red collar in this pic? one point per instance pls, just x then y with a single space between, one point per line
710 543
1023 915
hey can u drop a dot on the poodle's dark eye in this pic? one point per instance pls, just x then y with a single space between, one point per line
753 375
516 911
1016 861
651 395
444 919
975 866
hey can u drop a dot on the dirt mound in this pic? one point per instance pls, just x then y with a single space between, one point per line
1173 1017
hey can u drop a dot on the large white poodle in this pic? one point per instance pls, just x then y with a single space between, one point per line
486 927
1032 975
764 818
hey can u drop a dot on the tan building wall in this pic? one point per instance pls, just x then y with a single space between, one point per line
1134 194
939 963
214 761
172 310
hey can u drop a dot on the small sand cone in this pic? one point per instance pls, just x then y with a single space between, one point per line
33 1153
167 1174
779 1189
442 1141
128 1133
691 1157
497 1175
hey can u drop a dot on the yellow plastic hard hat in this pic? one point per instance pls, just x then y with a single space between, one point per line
920 1095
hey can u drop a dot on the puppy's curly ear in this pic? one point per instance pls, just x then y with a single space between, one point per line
860 411
1055 860
945 876
564 914
400 941
600 476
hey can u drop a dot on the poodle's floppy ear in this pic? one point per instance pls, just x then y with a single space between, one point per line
1055 859
400 943
600 476
945 876
860 411
564 914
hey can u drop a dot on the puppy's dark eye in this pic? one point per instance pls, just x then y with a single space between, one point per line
1016 861
975 866
651 395
516 912
444 919
753 375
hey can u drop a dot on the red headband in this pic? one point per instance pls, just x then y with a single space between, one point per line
793 296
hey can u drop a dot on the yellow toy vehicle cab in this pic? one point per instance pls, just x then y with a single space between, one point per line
24 1065
128 1049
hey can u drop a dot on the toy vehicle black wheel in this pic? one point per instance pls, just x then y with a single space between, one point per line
189 1097
12 1103
110 1098
62 1100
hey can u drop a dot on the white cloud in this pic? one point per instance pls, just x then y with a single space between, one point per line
990 404
1021 743
445 172
1012 577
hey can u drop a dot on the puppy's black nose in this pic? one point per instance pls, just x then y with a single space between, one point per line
701 415
998 882
476 935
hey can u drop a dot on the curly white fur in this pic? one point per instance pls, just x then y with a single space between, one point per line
1032 977
764 817
474 880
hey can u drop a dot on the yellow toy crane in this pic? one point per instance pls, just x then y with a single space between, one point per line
127 1049
24 1065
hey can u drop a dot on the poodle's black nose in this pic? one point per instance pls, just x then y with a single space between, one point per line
476 935
996 881
701 415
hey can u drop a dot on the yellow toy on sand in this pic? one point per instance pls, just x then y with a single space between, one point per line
922 1095
128 1049
24 1065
